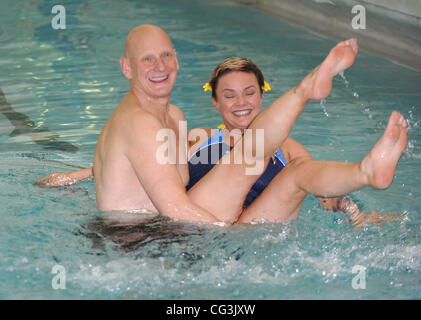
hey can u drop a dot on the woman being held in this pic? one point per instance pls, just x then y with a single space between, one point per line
237 87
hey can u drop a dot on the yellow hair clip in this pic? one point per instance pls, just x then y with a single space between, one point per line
266 87
207 87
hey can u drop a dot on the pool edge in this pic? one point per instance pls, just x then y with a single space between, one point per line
389 34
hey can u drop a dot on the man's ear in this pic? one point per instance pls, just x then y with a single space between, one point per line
176 60
215 104
125 67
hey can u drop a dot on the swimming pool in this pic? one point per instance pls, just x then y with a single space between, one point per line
61 86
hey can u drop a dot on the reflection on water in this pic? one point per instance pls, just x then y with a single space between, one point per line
131 233
23 125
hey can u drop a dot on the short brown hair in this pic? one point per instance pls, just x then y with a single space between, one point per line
235 64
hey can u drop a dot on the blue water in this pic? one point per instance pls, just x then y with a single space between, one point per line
67 82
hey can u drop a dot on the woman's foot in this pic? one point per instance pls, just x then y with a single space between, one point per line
317 84
380 164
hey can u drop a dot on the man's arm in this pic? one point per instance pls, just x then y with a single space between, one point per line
160 180
57 179
355 215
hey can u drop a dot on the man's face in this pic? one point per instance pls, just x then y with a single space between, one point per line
154 66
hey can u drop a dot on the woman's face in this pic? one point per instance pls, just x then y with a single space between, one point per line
238 99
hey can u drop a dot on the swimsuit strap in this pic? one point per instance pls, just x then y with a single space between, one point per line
217 138
278 154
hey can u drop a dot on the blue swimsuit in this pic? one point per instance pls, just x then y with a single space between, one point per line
208 154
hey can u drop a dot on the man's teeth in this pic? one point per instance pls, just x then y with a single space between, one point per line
242 113
158 79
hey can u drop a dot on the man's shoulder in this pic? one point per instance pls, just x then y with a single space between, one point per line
131 111
176 112
139 117
136 127
208 130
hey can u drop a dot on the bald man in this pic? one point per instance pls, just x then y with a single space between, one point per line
128 175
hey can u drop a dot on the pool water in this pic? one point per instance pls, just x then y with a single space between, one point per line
61 86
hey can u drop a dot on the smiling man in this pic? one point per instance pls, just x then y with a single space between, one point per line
124 161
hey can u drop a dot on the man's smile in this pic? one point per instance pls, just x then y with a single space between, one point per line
159 79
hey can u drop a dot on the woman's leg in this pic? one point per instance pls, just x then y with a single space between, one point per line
223 190
283 198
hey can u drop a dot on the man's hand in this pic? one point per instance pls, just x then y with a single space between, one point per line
357 217
377 218
57 179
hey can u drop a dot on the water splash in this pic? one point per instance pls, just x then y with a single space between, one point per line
411 120
342 74
323 105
